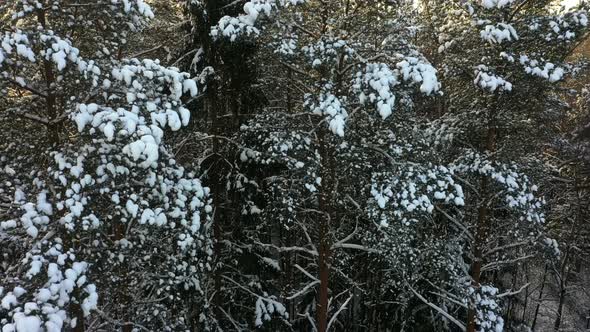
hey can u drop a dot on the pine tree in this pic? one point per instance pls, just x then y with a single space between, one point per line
106 210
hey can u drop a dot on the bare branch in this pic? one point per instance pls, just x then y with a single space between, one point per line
136 55
456 222
515 292
27 87
493 265
508 246
297 266
353 246
287 249
437 308
304 290
333 319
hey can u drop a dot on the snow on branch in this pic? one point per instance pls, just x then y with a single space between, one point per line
437 308
490 82
413 191
376 81
234 28
489 4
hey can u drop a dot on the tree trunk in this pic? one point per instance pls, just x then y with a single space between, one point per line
540 298
324 230
78 314
562 290
564 272
482 225
557 323
478 253
215 177
509 314
50 99
323 262
526 294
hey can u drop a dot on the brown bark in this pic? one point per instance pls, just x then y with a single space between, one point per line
539 299
324 228
78 314
482 217
526 294
212 106
124 298
482 225
562 291
509 314
564 271
50 99
323 262
217 231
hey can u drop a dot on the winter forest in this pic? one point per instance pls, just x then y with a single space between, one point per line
294 165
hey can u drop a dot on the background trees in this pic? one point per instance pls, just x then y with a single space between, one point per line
292 165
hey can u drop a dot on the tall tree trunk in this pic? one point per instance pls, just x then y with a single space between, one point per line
323 262
50 99
563 278
540 298
324 231
78 314
204 22
509 314
557 323
482 226
217 197
526 294
564 271
480 236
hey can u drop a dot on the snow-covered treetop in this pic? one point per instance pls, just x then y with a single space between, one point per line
62 280
516 192
419 188
116 173
416 190
378 80
373 83
106 23
496 3
244 25
512 43
151 104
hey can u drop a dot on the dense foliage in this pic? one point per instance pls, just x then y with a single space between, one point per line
293 165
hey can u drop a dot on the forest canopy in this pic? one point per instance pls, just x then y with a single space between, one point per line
294 165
